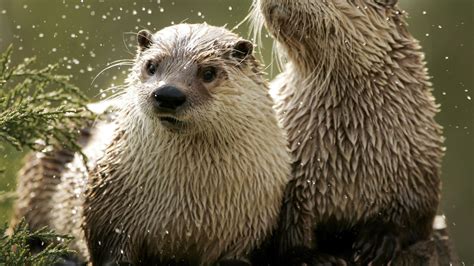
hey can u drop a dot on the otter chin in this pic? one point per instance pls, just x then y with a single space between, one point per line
190 167
172 123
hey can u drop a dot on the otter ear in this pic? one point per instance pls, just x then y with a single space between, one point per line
388 3
242 49
144 39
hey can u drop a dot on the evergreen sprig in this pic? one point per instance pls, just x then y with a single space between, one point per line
38 108
38 105
15 249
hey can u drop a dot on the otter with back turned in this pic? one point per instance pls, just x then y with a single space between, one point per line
355 100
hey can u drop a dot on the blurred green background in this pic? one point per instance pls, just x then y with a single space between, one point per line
86 35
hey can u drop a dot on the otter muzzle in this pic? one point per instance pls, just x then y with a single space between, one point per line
168 98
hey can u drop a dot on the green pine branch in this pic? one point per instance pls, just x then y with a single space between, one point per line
37 107
15 250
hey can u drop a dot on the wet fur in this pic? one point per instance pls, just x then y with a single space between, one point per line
355 100
208 192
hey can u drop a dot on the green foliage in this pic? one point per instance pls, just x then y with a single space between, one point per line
37 109
36 104
15 250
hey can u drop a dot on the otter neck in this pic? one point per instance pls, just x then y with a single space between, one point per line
354 55
157 139
360 66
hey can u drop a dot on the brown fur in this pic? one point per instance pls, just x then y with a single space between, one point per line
210 191
355 100
51 184
206 189
42 170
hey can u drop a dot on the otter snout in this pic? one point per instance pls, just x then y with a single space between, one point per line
168 98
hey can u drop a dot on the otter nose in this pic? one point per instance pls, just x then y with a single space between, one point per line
168 97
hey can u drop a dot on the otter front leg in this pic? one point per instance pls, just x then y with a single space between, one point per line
381 242
377 248
107 250
296 225
296 241
295 236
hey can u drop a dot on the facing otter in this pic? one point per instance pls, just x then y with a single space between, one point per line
196 166
355 100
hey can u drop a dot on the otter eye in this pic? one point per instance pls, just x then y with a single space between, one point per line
151 68
209 74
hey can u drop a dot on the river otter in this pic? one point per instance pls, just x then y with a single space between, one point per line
194 164
355 99
51 184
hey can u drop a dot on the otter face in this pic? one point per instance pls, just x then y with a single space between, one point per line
185 75
322 25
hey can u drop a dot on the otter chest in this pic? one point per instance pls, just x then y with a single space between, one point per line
204 209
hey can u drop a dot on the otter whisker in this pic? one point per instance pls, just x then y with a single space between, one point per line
122 63
116 91
125 42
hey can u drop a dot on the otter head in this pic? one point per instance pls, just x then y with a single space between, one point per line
193 78
313 31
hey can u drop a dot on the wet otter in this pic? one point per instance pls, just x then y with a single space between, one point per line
195 164
355 100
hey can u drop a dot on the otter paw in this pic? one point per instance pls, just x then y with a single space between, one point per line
376 249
